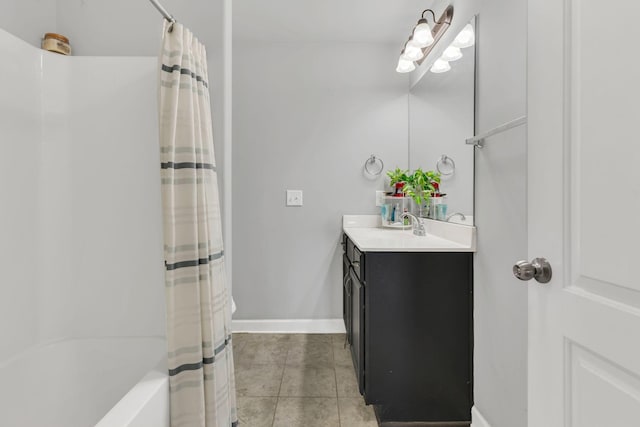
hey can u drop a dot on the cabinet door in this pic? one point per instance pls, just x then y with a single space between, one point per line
418 343
347 285
357 328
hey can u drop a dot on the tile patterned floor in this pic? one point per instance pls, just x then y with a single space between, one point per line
297 380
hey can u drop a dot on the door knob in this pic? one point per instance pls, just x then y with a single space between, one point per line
539 268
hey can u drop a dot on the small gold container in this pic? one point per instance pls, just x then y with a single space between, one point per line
56 43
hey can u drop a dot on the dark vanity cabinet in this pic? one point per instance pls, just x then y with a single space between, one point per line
346 296
357 327
409 325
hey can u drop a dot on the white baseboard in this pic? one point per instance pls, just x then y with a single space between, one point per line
477 420
300 326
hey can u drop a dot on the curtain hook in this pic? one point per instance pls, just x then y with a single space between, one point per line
172 22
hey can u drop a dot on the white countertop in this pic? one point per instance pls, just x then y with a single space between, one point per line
368 235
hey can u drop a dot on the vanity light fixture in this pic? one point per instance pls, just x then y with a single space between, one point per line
422 33
412 50
404 65
440 66
424 38
466 37
451 53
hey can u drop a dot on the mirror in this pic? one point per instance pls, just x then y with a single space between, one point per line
441 117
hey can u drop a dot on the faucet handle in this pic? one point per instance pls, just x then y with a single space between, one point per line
416 223
460 214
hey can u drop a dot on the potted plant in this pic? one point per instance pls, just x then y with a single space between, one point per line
398 179
420 186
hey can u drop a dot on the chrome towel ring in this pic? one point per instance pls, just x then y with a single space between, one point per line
445 165
374 165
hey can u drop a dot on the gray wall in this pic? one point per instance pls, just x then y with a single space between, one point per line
28 19
306 116
501 300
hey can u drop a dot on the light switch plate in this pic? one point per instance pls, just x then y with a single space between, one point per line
379 198
294 197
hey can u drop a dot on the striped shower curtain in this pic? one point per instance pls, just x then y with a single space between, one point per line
202 387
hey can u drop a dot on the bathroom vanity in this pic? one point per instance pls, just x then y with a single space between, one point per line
407 308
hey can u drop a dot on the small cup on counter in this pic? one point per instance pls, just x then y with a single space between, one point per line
438 208
441 212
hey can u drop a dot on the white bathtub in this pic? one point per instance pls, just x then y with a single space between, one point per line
108 382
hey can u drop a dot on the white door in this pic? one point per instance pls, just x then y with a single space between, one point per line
584 212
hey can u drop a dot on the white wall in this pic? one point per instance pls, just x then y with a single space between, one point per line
117 246
20 126
130 28
306 116
100 222
125 28
81 227
55 169
500 299
134 28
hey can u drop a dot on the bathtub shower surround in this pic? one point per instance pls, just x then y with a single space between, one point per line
82 314
200 358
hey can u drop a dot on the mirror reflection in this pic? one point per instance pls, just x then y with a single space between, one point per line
439 181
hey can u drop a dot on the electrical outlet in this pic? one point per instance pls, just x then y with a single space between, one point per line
294 197
379 198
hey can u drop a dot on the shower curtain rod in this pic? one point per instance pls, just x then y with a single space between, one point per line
169 17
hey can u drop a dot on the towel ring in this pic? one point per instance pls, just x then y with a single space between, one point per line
371 162
442 168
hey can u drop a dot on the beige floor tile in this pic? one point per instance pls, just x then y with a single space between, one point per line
346 382
354 413
261 353
307 412
256 411
239 338
338 339
317 354
342 357
307 372
307 338
237 350
308 382
267 338
258 380
238 346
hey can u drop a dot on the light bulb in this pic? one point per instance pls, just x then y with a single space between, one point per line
405 66
440 66
422 34
465 38
452 53
412 51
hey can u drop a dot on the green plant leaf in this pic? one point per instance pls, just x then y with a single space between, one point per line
397 175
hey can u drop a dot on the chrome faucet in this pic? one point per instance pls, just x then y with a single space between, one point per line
418 226
460 214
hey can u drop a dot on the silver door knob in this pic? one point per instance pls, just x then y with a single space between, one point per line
539 268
